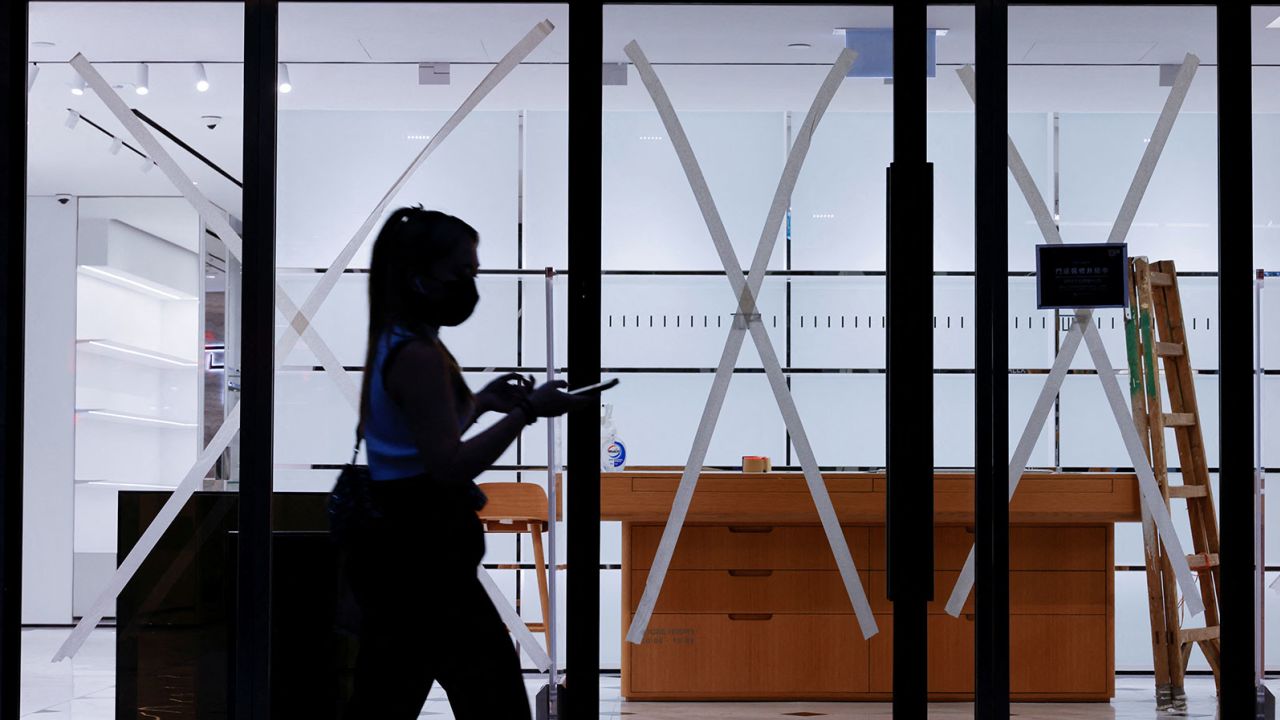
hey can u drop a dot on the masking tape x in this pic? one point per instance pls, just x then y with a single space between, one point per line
299 324
1152 498
745 291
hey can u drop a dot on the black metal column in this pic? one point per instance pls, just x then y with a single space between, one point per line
910 368
13 232
252 695
586 53
1235 313
991 361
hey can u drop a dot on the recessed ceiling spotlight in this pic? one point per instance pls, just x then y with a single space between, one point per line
143 85
941 32
799 45
78 85
282 74
202 78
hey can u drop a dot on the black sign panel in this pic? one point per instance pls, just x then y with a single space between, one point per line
1085 275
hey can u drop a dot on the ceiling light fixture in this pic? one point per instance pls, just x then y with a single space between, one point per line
799 45
73 118
116 144
1274 24
143 85
147 164
32 72
42 44
282 75
941 32
78 85
202 78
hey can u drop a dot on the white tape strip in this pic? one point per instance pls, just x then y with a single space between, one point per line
1022 453
212 216
331 275
151 535
332 365
1084 323
745 291
514 622
1147 484
817 486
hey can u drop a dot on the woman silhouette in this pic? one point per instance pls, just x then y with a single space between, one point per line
425 616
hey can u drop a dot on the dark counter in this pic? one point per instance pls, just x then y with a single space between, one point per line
176 621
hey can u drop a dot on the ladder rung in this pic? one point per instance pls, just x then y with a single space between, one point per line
1188 491
1168 349
1190 635
1203 562
1160 279
1178 419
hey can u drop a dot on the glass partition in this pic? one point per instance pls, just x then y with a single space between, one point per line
379 117
133 179
1101 101
703 108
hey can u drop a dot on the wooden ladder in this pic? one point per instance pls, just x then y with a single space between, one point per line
1157 340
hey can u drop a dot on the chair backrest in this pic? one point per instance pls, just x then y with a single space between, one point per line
520 501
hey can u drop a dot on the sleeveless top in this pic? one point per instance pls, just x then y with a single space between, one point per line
389 444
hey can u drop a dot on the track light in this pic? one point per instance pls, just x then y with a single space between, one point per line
32 72
147 163
283 78
116 144
73 118
142 86
202 78
78 85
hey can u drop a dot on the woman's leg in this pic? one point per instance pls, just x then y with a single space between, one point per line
482 672
393 675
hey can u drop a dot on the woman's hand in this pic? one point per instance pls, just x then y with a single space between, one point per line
550 400
504 394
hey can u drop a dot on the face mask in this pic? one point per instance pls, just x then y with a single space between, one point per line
446 303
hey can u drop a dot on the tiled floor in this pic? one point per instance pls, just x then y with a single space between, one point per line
83 689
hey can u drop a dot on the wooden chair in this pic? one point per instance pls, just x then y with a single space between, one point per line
520 507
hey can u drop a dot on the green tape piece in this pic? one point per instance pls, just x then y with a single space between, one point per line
1135 368
1148 355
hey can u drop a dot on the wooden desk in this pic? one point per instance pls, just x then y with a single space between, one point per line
753 606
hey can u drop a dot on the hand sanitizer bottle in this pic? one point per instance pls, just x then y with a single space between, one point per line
613 453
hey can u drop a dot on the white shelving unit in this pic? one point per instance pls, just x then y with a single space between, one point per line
138 377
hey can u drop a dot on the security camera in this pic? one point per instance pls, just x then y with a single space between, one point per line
211 121
62 198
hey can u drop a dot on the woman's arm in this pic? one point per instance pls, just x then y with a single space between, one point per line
419 381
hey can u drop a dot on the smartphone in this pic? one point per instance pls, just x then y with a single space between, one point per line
598 387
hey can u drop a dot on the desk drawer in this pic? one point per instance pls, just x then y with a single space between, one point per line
1062 656
1031 592
748 591
748 656
1031 547
747 547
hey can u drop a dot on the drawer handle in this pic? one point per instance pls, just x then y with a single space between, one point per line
750 573
757 529
751 616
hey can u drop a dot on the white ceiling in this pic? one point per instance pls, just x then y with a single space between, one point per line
363 56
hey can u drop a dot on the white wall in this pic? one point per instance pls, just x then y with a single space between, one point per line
49 417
